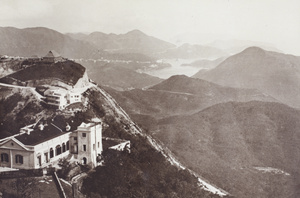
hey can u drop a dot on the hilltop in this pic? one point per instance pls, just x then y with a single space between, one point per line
147 167
37 73
273 73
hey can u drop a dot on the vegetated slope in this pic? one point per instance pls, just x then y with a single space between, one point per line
134 41
249 149
9 66
17 108
121 78
187 51
144 172
67 71
273 73
38 41
181 95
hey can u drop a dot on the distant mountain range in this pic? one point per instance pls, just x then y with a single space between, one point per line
272 73
225 42
134 41
39 40
234 46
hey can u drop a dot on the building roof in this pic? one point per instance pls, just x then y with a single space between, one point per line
38 136
52 54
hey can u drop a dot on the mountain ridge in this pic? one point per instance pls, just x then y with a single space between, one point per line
273 73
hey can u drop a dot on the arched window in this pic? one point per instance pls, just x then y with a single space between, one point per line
19 159
67 145
4 157
63 147
51 153
58 150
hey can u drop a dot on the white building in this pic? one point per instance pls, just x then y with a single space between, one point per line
86 142
61 98
41 145
73 97
56 97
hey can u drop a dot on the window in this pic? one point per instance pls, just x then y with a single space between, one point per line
75 138
63 147
67 145
19 159
84 147
58 150
51 153
94 147
98 144
83 134
4 157
46 157
84 160
39 158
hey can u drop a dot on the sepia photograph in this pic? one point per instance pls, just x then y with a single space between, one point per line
150 99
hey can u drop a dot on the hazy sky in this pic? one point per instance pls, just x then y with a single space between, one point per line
272 21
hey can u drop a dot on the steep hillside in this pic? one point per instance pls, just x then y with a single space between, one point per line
18 107
273 73
250 149
8 66
187 51
181 95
